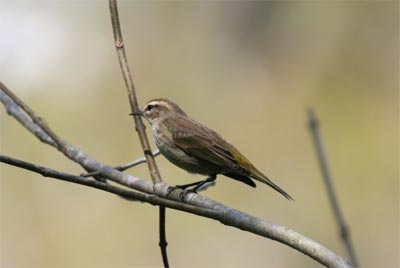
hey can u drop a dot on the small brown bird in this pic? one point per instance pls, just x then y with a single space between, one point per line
198 149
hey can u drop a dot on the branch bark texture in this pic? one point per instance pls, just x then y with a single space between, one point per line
193 203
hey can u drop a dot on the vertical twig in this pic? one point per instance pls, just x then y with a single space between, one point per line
140 127
123 61
343 228
163 240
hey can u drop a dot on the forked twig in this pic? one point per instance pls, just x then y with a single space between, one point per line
323 162
124 167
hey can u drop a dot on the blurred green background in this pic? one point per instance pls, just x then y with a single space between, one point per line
249 70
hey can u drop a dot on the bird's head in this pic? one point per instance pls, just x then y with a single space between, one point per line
158 109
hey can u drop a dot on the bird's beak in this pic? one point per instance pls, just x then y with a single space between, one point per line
138 112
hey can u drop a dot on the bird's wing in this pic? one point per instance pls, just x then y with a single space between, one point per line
201 142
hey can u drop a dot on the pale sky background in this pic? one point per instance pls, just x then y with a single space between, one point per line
249 70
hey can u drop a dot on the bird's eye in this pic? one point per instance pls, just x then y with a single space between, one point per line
149 107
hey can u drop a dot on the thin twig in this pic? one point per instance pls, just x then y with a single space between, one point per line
323 162
123 61
140 127
195 203
124 167
163 240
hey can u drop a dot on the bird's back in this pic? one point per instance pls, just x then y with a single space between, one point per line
203 143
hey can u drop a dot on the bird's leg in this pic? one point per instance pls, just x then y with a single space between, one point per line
202 183
185 186
181 187
197 184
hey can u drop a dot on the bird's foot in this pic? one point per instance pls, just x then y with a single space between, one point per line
184 191
192 187
171 189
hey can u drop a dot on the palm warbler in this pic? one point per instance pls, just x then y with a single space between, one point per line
198 149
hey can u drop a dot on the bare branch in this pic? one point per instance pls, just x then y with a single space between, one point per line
137 161
129 165
140 127
43 132
123 61
128 194
35 118
201 205
48 172
163 240
323 162
14 110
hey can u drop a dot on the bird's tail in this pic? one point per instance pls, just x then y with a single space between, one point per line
257 175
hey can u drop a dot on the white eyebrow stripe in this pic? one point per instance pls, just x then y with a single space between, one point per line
160 103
